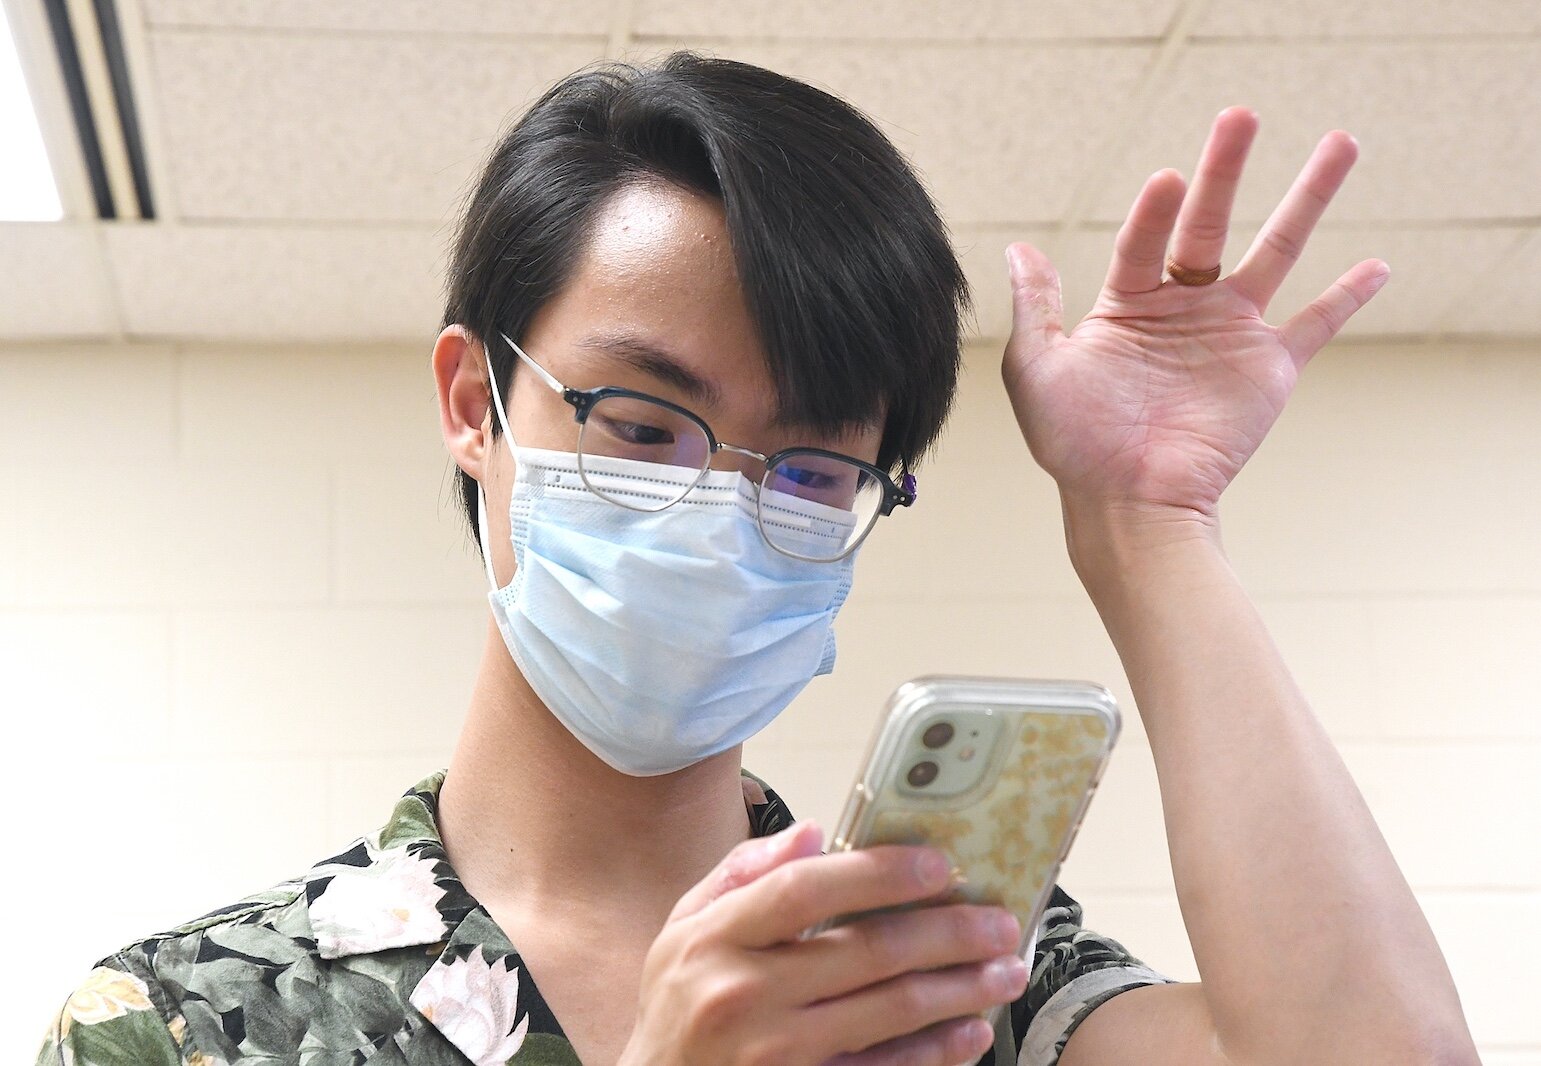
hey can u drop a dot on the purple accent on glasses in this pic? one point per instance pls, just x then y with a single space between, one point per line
907 483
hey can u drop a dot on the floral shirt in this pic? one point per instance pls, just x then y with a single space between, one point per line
380 956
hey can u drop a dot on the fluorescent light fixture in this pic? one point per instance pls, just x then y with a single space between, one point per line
28 192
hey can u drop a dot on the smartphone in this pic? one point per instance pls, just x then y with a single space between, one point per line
998 773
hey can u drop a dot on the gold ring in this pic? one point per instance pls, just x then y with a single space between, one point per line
1188 276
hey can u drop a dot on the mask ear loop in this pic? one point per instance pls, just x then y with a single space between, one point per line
497 402
481 495
481 534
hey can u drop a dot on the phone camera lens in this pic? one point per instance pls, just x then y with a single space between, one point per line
923 773
937 735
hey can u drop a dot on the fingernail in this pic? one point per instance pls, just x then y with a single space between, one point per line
1011 264
784 841
980 1036
1380 278
1007 932
1008 976
933 869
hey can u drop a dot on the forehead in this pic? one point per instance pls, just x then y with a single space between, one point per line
659 269
659 266
657 233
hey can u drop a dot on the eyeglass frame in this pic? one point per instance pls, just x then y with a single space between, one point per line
583 401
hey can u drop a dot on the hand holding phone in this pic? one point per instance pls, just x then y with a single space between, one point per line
736 976
732 979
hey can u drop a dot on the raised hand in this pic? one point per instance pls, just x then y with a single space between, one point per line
1164 390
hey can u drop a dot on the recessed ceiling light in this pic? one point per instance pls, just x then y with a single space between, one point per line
28 192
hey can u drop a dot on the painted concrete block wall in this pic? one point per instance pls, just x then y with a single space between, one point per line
239 614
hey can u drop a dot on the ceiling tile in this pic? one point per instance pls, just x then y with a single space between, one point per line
301 127
982 250
298 283
391 16
1425 279
1421 290
1320 18
1510 298
1438 125
52 282
990 127
982 20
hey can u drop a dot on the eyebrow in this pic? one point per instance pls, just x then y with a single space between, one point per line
658 362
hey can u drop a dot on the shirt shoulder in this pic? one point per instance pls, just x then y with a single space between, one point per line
130 1009
1074 971
768 812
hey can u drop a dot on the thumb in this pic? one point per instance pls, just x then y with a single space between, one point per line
748 862
1036 301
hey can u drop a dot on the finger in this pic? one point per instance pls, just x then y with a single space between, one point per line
1318 322
945 1044
1279 243
871 950
1205 218
917 1000
748 862
1139 251
1036 300
787 901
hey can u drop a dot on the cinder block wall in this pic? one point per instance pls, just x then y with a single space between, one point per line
239 615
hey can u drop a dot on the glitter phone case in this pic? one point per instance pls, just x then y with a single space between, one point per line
997 773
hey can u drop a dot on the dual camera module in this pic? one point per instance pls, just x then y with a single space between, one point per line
936 759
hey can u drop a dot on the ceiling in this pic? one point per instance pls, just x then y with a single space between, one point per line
306 157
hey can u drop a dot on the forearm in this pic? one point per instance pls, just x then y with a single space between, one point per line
1310 945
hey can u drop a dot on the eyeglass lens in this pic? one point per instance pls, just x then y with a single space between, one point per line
811 506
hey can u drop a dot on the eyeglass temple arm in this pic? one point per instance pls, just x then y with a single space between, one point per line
545 375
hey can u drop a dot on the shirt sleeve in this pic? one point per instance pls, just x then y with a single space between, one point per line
1074 971
112 1019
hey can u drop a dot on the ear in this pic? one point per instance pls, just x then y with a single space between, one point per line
464 400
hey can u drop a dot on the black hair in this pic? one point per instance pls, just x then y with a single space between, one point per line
847 270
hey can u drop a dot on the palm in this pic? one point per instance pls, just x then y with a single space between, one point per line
1163 392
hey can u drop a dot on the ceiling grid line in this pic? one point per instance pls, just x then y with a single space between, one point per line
1481 282
134 25
348 33
1369 38
102 267
1107 159
105 107
909 43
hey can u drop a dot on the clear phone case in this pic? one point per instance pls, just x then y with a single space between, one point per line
1014 767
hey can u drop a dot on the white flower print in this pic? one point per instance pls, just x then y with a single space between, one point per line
392 902
474 1004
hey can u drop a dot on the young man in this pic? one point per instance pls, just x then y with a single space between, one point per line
702 321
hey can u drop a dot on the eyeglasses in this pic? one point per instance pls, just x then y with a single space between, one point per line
811 503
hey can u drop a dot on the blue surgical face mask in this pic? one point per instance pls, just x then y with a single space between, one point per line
657 638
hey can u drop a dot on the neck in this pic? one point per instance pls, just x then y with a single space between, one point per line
532 819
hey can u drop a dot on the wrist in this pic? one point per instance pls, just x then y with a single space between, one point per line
1116 544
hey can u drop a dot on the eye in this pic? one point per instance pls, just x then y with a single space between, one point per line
638 433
